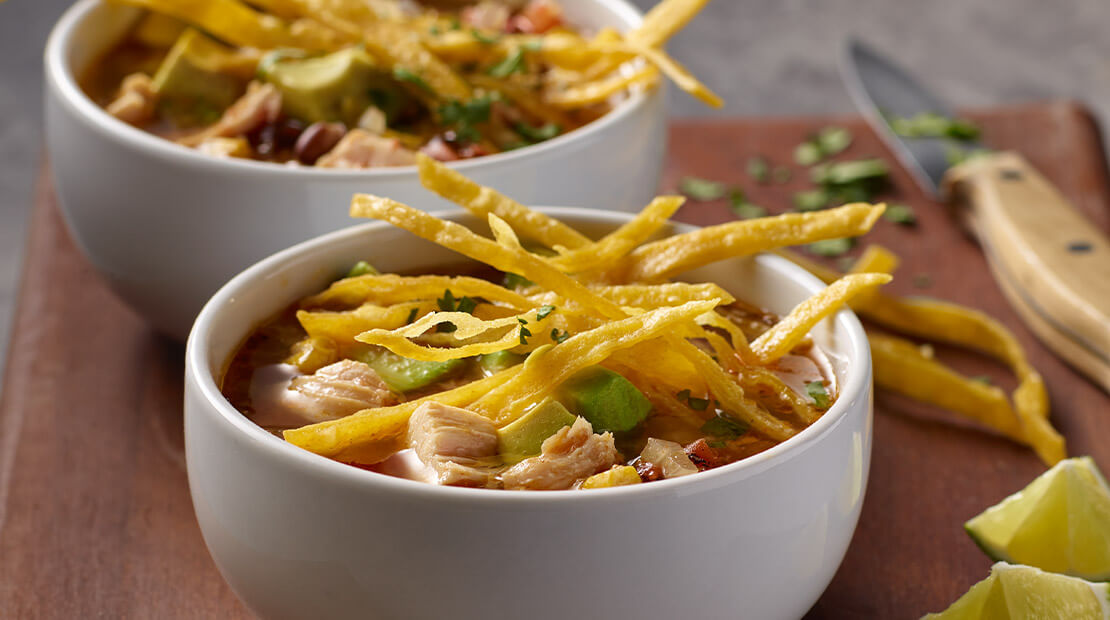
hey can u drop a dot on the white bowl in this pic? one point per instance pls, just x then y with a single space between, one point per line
166 225
300 536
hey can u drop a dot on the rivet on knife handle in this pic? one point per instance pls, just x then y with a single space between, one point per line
1052 263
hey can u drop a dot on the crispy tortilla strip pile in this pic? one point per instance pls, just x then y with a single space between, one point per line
904 367
604 302
452 62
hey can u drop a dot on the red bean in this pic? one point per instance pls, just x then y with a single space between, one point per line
317 139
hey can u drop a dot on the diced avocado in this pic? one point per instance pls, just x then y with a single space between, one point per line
335 87
493 363
199 79
606 399
403 374
524 437
619 475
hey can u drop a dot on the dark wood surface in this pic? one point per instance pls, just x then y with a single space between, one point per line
95 517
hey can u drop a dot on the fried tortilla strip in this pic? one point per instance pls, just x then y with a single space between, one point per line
481 201
610 248
460 239
666 294
903 367
680 76
402 48
787 333
599 91
730 396
547 368
664 20
668 257
344 326
393 289
526 99
375 431
241 25
764 385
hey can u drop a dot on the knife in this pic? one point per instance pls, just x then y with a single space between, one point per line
1052 264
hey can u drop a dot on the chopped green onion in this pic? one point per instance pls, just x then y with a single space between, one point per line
758 169
820 396
544 311
513 63
702 189
831 247
900 214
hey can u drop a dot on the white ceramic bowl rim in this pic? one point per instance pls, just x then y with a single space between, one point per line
61 76
854 385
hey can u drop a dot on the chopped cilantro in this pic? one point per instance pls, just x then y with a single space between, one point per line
933 125
537 134
404 75
412 316
724 427
811 200
820 396
465 116
361 268
833 140
900 214
544 311
512 281
485 39
448 303
807 153
758 169
513 63
454 23
831 247
695 403
557 337
434 30
525 333
984 379
702 189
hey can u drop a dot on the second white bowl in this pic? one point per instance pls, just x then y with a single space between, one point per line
166 226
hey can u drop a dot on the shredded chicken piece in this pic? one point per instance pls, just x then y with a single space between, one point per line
136 99
260 105
362 149
571 454
338 390
453 443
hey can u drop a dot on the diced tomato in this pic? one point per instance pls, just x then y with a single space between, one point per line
702 455
537 17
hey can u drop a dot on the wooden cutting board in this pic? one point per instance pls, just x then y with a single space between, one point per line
95 516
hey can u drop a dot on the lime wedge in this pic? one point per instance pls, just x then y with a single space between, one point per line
1027 593
1059 523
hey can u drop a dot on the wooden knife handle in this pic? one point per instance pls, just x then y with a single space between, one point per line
1050 261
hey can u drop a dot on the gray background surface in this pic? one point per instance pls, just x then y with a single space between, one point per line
766 57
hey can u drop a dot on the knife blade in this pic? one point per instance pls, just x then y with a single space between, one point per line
1052 264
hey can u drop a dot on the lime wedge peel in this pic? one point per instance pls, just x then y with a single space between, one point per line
1027 593
1059 523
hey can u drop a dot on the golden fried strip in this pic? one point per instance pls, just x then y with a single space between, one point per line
481 201
662 259
390 289
599 91
344 326
730 395
664 20
757 380
241 25
666 294
615 245
460 239
787 333
680 76
547 368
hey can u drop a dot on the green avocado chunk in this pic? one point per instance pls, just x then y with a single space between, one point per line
525 436
335 87
606 399
403 374
493 363
198 79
